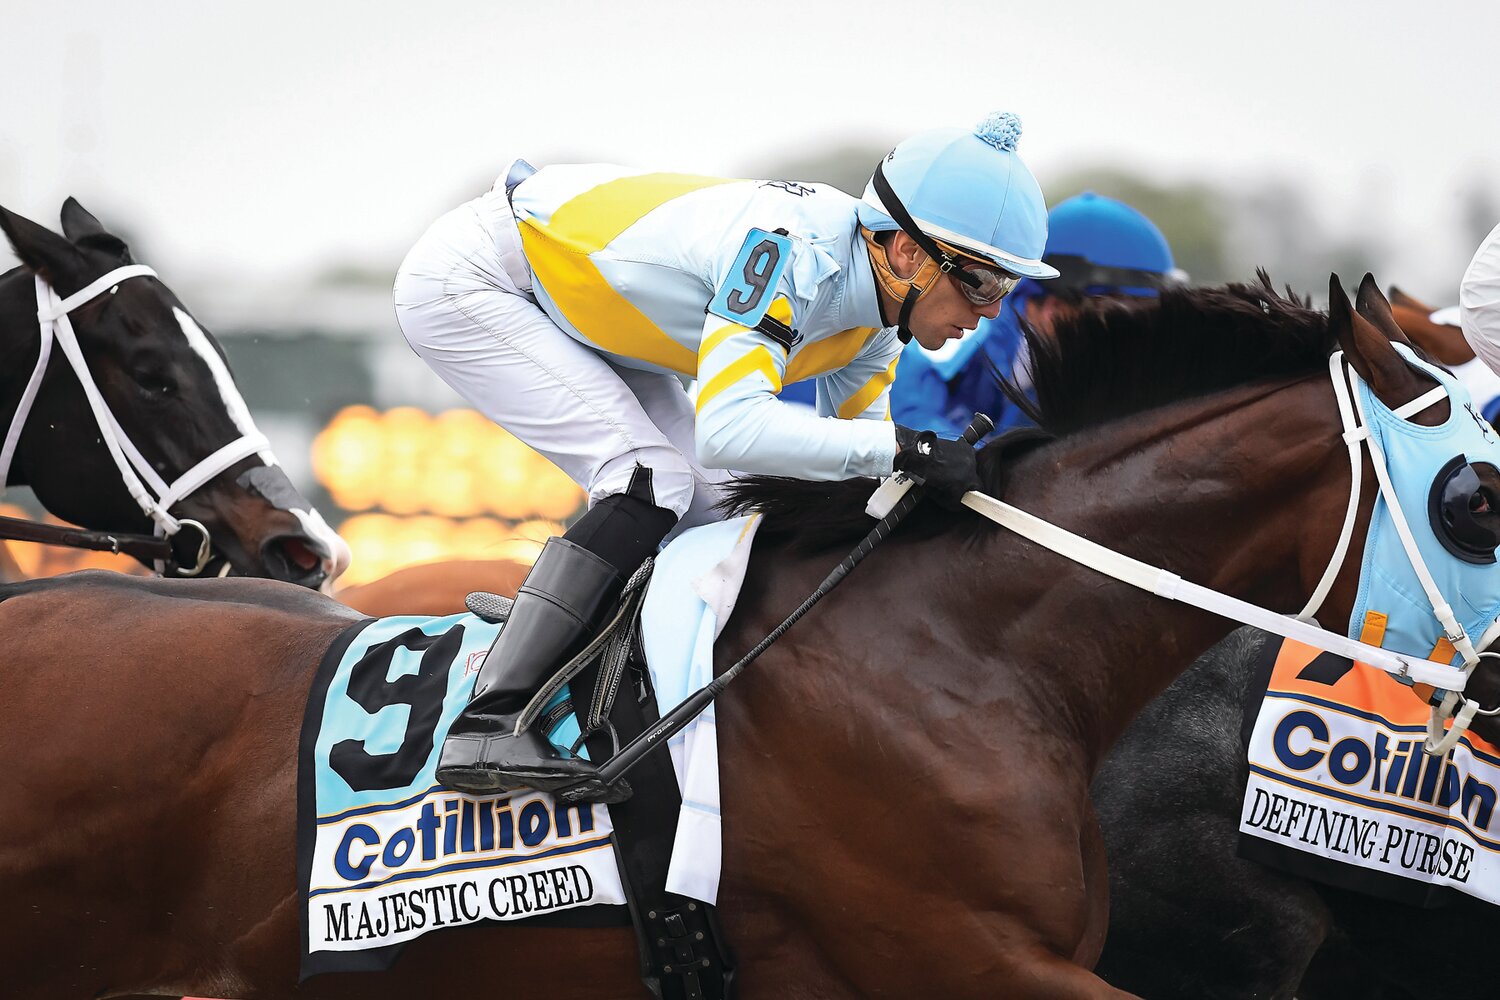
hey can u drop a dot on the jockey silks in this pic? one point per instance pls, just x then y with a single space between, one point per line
625 263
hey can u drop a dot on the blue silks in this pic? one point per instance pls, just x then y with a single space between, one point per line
942 390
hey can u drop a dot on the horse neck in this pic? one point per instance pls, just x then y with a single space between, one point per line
1227 492
20 341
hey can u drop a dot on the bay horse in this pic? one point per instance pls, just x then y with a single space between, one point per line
905 775
433 588
165 384
1440 342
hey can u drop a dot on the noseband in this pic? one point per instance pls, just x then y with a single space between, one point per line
154 495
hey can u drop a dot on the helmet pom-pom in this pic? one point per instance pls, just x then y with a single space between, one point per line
1000 129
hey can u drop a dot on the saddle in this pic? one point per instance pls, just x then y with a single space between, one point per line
683 952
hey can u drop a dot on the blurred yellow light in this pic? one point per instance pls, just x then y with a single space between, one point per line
457 464
383 543
538 531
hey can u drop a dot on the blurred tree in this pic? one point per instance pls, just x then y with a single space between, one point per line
846 165
352 274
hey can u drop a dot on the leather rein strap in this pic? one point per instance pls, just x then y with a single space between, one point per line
139 546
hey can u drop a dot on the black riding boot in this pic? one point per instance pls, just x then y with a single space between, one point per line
556 611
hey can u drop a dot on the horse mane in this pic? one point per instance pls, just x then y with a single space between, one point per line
1109 360
1115 358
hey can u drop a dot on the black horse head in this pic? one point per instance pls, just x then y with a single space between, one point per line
166 382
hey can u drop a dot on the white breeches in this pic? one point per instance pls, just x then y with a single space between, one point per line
464 302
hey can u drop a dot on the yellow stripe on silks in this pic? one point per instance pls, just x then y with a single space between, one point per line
1373 632
594 218
559 256
1442 651
781 310
716 338
828 355
868 393
758 360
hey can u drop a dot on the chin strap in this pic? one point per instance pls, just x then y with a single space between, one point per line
938 262
908 290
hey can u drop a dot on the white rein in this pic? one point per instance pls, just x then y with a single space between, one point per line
152 493
1303 628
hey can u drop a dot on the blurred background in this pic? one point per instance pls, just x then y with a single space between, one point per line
273 161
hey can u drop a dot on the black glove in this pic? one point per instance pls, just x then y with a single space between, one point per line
946 469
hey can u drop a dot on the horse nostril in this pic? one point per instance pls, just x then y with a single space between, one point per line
303 557
294 559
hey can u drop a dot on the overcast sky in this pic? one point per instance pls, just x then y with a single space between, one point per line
274 137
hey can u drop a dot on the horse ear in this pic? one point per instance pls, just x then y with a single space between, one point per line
80 226
1368 350
1400 298
43 251
1373 307
78 221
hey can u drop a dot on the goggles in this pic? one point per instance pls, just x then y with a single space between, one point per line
981 281
983 284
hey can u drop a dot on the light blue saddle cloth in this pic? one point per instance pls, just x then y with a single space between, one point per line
385 854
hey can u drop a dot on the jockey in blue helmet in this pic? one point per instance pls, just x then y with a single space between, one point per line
956 195
1099 247
569 302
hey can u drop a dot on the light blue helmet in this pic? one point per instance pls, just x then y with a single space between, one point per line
966 188
1104 247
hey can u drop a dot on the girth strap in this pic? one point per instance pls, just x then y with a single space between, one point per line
683 952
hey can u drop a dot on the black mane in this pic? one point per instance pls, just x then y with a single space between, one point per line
1115 358
1110 360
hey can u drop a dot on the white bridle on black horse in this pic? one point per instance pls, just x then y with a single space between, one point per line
154 495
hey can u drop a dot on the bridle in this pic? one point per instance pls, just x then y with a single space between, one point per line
154 495
1446 679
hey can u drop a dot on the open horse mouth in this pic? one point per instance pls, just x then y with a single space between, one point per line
297 559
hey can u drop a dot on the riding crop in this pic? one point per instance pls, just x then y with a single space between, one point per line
907 494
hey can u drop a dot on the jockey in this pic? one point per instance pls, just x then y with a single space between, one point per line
1101 247
569 303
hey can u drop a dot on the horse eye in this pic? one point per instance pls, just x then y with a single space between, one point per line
157 384
1481 502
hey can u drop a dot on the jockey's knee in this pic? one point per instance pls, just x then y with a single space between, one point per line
634 508
660 476
622 529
